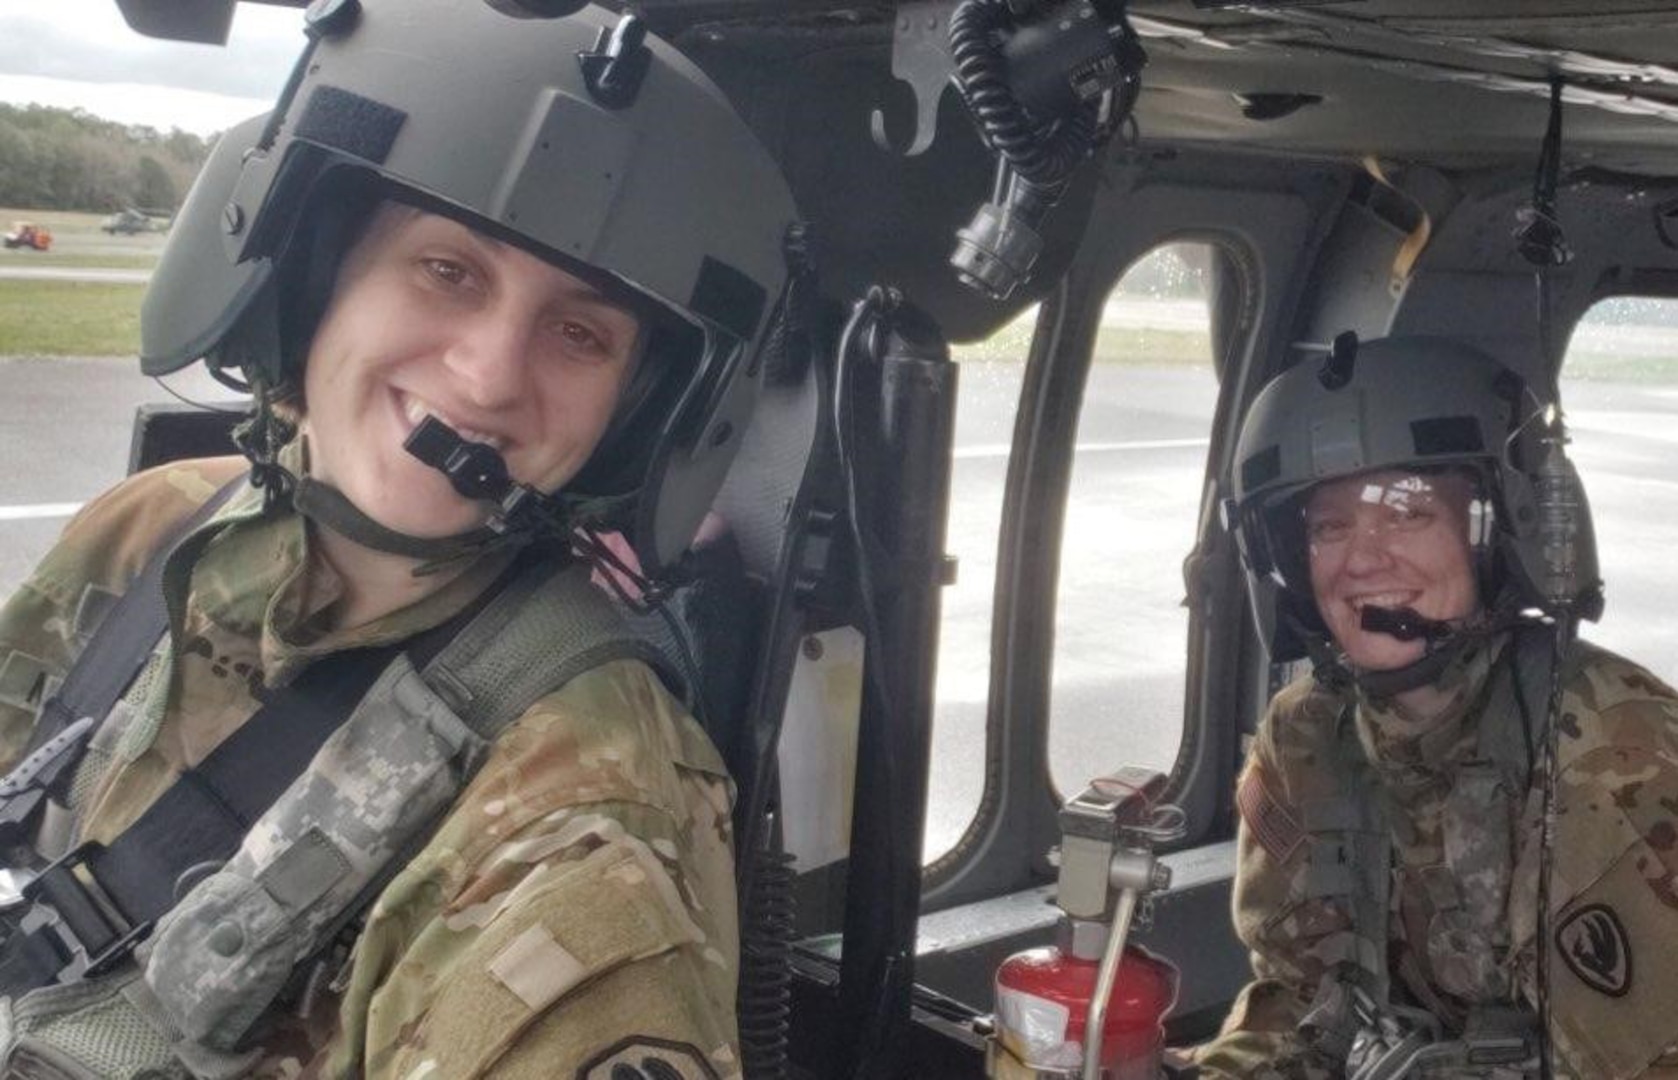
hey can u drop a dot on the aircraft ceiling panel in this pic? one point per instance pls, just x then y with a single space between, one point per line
1458 84
1363 104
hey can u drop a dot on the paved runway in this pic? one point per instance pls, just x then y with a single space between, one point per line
97 275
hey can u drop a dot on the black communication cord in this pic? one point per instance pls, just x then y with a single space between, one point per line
874 306
1045 87
1542 243
654 596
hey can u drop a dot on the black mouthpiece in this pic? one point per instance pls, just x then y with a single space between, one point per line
474 468
1403 624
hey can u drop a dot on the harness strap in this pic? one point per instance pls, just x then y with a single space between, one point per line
544 631
197 823
204 815
1349 857
544 626
113 656
124 640
245 839
318 859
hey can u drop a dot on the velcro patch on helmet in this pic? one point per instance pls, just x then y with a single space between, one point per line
1278 831
1447 435
642 1057
356 125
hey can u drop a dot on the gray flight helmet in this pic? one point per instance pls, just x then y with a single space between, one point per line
1421 403
580 139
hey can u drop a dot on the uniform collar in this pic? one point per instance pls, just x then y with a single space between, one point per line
258 576
1408 747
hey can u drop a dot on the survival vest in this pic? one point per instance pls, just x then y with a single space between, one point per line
158 955
1353 1020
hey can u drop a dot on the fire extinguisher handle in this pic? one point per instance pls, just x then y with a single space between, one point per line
1124 910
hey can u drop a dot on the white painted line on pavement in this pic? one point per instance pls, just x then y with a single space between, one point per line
38 511
1000 450
79 274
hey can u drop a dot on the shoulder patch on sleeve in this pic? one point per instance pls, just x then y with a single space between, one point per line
1593 944
1278 831
642 1057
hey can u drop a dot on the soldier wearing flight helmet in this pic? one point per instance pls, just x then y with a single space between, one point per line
1392 806
392 794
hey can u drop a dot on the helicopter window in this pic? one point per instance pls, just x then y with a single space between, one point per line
1620 389
1121 627
991 375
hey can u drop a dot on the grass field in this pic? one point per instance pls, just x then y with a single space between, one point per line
47 318
1143 331
1123 339
119 261
69 318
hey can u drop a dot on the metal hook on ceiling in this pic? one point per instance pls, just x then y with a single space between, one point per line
920 56
926 124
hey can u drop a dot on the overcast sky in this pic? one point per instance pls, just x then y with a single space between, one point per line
80 53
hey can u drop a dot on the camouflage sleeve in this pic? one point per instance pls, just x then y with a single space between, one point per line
1279 926
46 622
1614 888
574 914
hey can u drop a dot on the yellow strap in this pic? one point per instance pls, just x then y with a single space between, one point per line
1416 242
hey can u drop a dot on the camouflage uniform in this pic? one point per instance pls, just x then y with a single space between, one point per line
578 896
1463 894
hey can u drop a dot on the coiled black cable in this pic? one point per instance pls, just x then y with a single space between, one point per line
765 999
1043 152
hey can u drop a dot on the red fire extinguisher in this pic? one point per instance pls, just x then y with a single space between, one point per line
1092 1006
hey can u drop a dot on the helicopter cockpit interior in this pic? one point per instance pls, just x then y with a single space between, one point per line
1057 246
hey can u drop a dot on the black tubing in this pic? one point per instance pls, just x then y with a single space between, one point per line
765 997
1044 154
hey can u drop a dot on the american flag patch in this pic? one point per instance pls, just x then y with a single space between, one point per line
1269 822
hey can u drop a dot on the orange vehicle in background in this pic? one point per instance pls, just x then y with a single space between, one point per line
27 235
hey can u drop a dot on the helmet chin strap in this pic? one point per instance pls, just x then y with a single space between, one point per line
519 514
327 506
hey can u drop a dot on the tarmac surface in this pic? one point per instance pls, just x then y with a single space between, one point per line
73 273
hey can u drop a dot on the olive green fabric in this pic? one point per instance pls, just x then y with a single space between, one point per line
1464 881
579 893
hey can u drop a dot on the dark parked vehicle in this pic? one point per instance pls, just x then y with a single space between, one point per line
131 222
